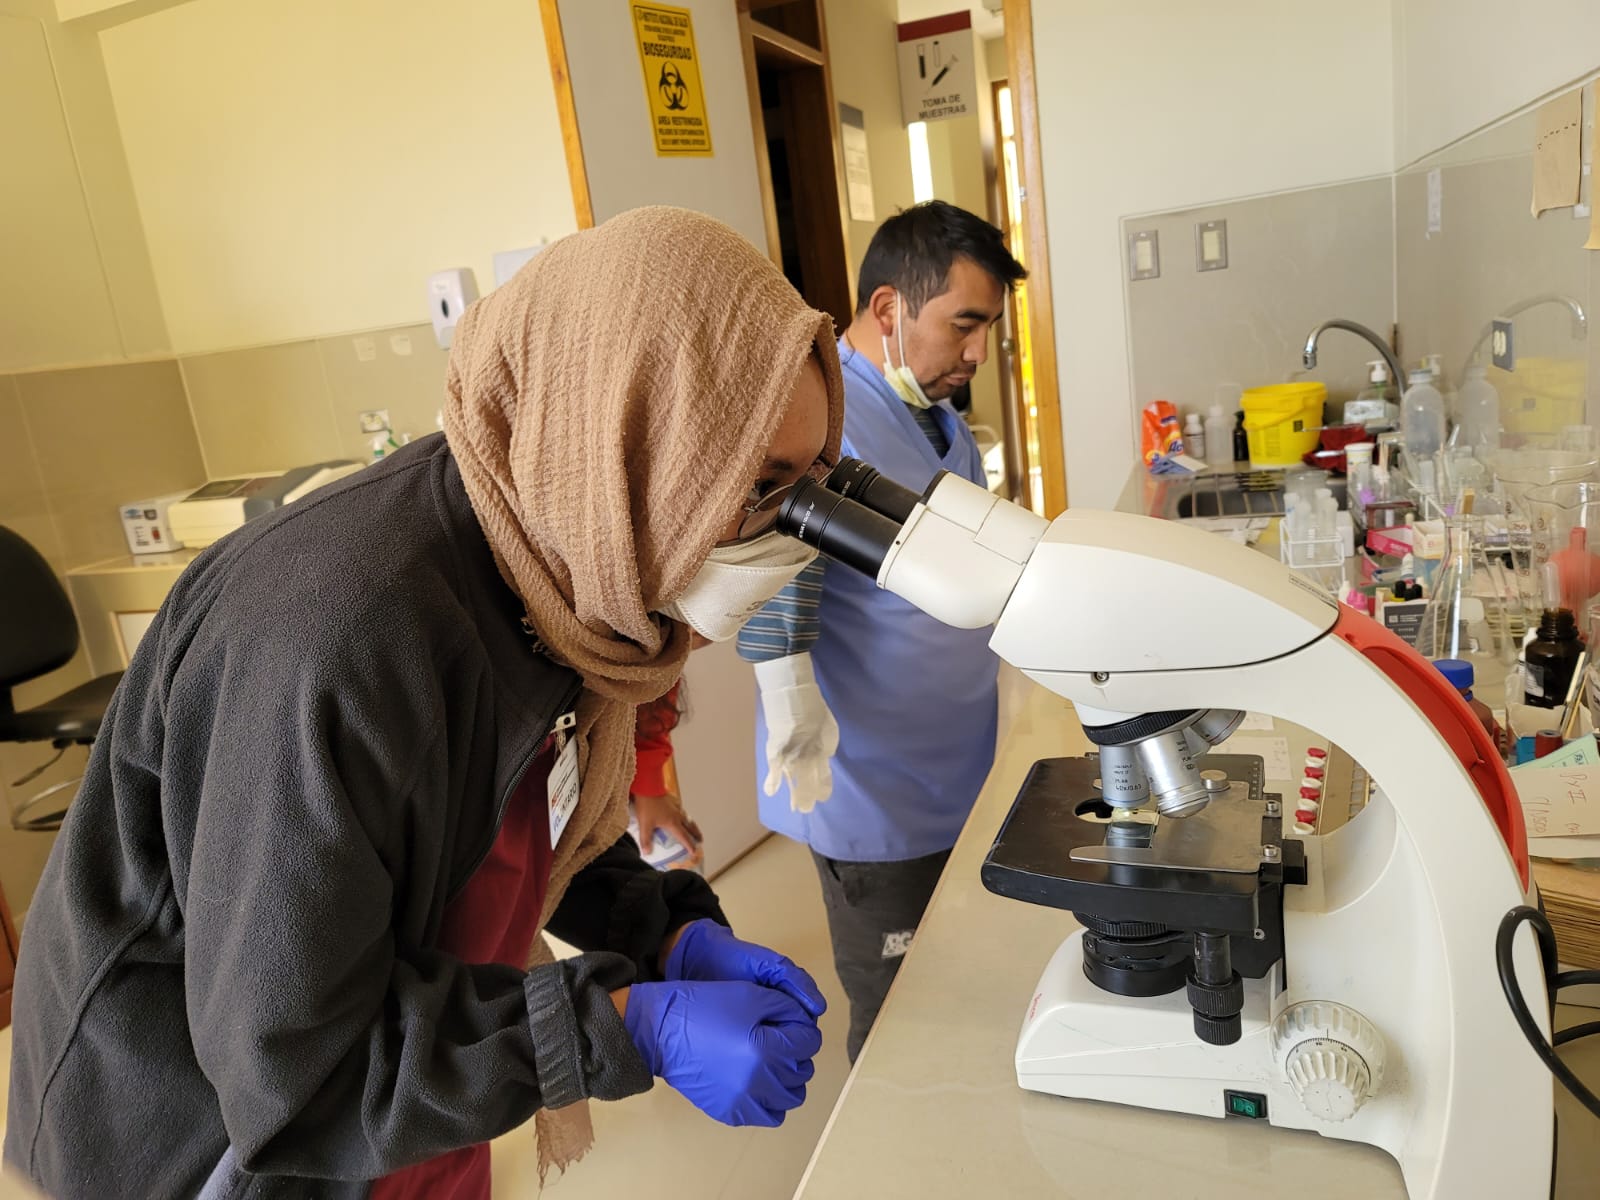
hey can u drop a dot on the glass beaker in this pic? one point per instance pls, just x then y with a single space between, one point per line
1465 617
1517 471
1585 439
1566 532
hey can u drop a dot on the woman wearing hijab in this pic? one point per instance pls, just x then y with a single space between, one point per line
288 942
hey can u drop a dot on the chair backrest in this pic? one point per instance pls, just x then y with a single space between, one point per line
38 631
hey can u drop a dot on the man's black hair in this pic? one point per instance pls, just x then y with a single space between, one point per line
912 252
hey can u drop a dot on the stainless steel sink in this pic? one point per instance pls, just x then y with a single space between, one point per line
1240 494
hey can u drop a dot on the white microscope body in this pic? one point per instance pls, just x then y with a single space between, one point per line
1384 1021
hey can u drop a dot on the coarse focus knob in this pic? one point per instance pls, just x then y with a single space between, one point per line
1331 1056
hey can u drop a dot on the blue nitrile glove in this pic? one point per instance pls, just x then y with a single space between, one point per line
708 951
740 1052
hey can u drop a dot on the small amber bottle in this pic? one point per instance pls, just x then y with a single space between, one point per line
1552 657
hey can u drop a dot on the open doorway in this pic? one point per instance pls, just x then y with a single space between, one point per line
798 155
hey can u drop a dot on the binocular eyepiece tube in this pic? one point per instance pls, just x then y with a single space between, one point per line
854 517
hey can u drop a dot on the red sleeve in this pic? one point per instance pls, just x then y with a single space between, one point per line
652 743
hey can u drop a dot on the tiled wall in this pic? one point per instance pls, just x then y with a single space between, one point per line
75 444
271 407
1294 260
1488 254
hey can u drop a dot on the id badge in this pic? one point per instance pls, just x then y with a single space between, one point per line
564 781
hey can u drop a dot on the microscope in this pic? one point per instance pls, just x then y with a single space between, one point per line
1345 984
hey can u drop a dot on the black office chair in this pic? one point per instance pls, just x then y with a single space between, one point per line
38 634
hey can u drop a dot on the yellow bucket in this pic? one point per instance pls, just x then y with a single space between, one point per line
1283 421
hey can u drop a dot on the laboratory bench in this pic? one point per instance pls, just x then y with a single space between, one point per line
116 600
932 1108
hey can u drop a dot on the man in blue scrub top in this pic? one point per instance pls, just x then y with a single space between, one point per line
866 702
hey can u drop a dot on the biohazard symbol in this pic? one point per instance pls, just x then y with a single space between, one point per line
674 92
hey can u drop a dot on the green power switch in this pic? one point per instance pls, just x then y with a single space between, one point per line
1245 1104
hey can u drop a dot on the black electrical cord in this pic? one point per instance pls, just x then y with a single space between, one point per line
1519 1007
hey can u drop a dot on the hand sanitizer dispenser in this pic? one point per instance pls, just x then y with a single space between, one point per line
449 293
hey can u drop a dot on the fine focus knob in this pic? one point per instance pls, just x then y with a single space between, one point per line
1331 1056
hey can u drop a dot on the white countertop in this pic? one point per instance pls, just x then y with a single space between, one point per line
134 564
932 1108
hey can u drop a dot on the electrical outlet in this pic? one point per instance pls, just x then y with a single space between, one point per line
1211 246
1144 255
1505 352
375 420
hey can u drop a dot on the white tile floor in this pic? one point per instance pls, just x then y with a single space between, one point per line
658 1144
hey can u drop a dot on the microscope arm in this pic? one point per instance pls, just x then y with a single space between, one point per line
1088 605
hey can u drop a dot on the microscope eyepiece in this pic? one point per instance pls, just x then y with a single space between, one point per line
842 528
856 480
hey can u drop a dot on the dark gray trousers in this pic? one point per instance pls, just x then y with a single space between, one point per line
873 911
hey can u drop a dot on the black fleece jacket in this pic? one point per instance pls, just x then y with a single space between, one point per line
233 942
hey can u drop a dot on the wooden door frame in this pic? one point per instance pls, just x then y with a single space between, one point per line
1018 16
567 110
1014 420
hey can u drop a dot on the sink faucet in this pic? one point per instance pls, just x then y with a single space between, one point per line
1382 347
1580 321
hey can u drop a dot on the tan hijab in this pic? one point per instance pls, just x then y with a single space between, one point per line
609 407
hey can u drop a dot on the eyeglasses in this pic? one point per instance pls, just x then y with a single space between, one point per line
761 509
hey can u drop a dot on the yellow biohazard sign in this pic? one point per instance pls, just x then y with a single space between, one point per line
672 81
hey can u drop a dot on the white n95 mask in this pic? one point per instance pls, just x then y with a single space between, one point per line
901 379
736 582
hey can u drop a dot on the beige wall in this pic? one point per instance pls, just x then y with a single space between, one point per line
994 57
1192 332
302 167
613 118
80 287
1461 64
1226 101
861 53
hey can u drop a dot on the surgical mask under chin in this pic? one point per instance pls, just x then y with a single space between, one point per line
736 582
901 380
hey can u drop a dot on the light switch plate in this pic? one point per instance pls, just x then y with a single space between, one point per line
1144 255
1505 352
1211 246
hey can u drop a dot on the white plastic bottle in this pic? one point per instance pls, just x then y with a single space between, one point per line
1422 423
1219 437
1478 414
1194 437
